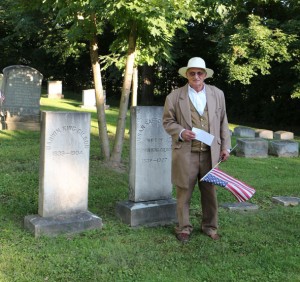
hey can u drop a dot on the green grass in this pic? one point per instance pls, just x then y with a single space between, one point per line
255 246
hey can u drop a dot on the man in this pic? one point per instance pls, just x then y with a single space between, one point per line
201 106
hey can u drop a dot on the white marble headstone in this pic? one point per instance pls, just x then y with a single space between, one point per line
64 163
150 156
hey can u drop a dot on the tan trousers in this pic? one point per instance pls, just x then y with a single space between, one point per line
200 164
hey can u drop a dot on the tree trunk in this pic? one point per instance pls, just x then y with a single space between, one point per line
100 100
147 96
118 145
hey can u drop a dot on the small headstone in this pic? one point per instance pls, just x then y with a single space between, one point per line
263 133
22 90
283 135
286 201
242 131
150 188
240 206
89 99
252 148
55 89
284 148
64 174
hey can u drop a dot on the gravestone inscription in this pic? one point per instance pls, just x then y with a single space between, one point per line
64 174
150 189
150 156
22 90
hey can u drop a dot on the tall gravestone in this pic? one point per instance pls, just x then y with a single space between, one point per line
22 90
150 189
64 174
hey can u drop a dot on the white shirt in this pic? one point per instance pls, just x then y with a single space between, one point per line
198 99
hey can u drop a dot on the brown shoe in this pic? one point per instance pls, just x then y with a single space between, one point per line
183 237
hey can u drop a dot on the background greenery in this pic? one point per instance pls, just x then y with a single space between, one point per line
255 246
252 45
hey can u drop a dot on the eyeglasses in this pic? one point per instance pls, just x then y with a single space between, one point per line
199 73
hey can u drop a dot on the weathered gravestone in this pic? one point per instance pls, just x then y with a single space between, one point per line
284 135
242 207
264 133
55 89
64 174
286 201
284 148
242 131
252 148
22 90
150 189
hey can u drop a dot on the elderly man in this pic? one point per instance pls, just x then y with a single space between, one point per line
201 106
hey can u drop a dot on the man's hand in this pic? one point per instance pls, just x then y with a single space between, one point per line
188 135
224 155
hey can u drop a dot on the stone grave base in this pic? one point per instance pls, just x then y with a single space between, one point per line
31 126
239 206
63 224
286 201
55 96
149 213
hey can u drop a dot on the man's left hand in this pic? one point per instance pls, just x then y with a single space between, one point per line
224 155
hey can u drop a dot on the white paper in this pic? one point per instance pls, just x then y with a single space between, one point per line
203 136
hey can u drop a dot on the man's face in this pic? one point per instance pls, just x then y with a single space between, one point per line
196 77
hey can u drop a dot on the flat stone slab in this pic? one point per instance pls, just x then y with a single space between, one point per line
243 131
286 201
149 213
263 133
284 148
252 148
63 224
284 135
239 206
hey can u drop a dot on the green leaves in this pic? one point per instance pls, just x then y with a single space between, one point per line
253 47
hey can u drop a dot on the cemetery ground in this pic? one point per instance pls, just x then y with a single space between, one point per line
260 245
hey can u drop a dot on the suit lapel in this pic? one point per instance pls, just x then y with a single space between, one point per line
211 104
184 105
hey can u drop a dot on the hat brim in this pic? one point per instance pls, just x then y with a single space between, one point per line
182 71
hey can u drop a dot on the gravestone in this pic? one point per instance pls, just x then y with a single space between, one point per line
284 135
89 99
64 174
252 148
242 131
55 89
150 190
263 133
22 90
284 148
240 206
286 201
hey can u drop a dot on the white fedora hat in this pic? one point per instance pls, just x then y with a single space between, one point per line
196 62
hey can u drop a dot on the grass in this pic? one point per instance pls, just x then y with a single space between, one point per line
255 246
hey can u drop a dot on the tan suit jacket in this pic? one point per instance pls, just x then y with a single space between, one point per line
177 116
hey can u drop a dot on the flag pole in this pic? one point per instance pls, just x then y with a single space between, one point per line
217 164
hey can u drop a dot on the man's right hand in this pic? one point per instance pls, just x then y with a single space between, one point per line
188 135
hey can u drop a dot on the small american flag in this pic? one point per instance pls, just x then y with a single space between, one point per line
240 190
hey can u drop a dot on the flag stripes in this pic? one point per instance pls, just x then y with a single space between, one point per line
241 191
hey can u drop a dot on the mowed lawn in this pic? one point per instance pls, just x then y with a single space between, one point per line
260 245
